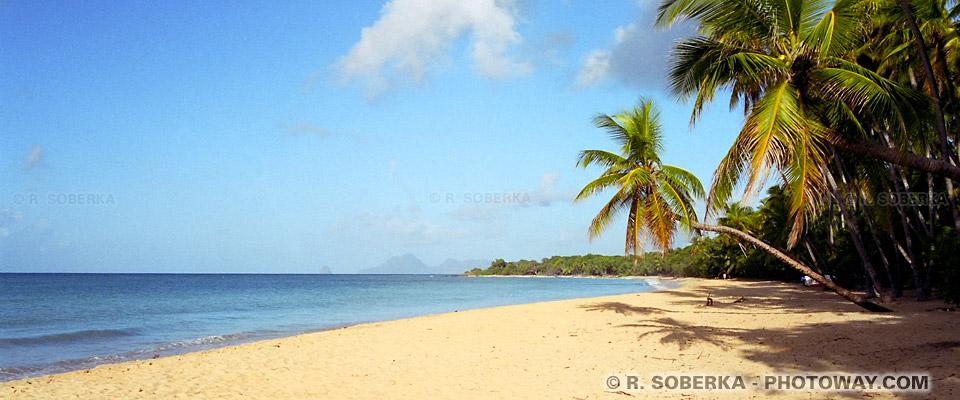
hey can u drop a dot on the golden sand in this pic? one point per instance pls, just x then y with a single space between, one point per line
558 350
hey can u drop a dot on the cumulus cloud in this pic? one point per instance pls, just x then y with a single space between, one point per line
596 67
638 56
412 36
547 192
35 158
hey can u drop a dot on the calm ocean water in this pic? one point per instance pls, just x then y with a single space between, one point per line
53 323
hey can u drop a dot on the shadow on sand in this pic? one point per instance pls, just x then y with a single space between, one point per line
916 337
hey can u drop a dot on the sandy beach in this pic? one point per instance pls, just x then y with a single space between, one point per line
559 350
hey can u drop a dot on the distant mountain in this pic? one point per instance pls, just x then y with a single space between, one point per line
324 270
410 264
405 264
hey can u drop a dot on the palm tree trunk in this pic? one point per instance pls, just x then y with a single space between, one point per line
874 232
894 156
857 239
852 297
915 263
931 81
813 256
931 212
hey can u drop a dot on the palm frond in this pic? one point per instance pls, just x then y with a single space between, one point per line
617 132
679 188
659 220
774 123
598 185
727 175
702 65
902 108
684 179
835 33
608 212
805 182
603 158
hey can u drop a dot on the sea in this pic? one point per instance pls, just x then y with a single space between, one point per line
52 323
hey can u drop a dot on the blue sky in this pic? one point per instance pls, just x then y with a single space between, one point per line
285 136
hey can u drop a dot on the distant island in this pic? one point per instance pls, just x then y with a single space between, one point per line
324 270
410 264
586 265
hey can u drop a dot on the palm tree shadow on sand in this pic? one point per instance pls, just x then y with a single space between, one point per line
911 339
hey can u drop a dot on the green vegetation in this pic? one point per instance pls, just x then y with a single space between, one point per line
713 256
595 265
853 105
849 103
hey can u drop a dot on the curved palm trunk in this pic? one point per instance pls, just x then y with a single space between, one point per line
852 297
894 156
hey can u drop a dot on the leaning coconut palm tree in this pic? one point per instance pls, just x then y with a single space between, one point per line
656 197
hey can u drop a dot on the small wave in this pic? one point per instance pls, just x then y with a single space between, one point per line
67 337
198 343
163 350
656 284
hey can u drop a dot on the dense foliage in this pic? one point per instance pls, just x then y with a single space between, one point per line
826 247
853 105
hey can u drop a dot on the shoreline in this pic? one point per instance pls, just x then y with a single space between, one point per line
556 349
218 339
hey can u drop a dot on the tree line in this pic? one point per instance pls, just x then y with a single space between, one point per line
847 103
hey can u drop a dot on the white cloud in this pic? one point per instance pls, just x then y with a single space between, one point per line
596 67
412 36
638 56
547 191
35 158
620 34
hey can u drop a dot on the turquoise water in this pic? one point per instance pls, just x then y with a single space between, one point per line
52 323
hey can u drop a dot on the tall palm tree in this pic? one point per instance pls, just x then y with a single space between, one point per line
657 197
